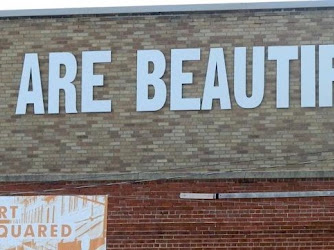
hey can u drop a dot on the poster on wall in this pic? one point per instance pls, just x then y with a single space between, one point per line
53 222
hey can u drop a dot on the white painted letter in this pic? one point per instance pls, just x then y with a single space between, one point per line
216 64
307 87
56 83
283 55
178 79
35 96
240 78
326 75
89 80
144 79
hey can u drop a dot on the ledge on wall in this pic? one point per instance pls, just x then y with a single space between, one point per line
149 176
169 8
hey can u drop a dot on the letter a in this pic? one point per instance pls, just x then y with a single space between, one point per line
34 96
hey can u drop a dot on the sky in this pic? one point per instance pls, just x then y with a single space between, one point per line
45 4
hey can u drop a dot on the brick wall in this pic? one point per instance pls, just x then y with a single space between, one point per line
150 215
125 140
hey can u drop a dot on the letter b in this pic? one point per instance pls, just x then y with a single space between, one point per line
144 79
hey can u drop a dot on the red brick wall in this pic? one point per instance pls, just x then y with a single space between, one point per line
151 216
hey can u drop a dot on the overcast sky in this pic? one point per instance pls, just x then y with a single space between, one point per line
45 4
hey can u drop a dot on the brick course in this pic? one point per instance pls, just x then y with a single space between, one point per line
150 215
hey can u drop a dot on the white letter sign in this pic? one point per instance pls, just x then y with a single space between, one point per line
89 80
144 79
283 55
326 75
35 96
216 64
179 78
57 83
240 81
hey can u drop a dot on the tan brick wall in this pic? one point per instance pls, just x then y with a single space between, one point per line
260 139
